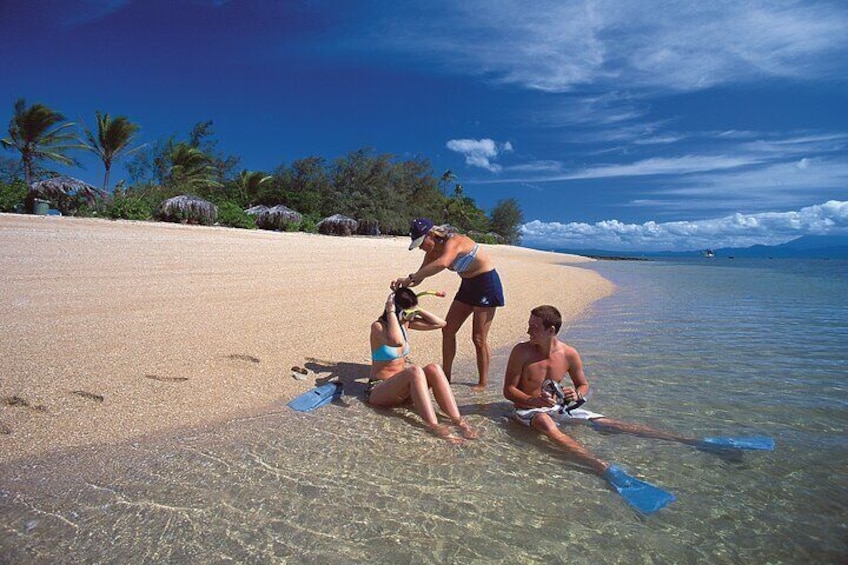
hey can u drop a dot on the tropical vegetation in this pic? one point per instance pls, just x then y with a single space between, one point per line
188 179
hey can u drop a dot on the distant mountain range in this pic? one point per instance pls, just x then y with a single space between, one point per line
806 247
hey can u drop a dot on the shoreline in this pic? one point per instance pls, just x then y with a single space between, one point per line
115 330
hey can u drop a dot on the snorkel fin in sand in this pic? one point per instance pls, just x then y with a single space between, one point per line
317 397
644 497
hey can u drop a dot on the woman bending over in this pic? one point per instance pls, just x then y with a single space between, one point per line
480 292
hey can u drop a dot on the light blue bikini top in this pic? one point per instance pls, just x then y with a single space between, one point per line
463 262
390 353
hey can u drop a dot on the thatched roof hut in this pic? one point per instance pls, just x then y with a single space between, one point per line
368 227
62 190
337 224
278 218
256 210
187 209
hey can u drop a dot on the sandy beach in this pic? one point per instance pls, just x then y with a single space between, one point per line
116 330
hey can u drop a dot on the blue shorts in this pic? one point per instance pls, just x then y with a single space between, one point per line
483 290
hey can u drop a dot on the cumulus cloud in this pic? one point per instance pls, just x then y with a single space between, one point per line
480 152
735 230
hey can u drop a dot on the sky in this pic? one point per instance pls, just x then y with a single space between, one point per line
616 124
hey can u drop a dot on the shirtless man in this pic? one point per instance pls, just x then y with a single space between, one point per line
546 358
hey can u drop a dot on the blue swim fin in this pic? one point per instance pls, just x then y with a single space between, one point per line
317 397
760 443
642 496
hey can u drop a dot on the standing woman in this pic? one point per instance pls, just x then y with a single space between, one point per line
480 292
394 382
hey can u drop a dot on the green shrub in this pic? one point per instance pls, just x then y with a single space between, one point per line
11 195
128 208
309 224
230 214
488 237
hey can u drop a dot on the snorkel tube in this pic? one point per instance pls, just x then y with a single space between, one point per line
438 293
409 313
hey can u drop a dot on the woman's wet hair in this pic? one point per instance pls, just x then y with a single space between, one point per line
405 298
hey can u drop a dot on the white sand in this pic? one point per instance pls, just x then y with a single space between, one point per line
178 325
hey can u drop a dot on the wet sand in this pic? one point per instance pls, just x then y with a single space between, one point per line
115 330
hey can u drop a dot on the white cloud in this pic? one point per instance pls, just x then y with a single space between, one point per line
631 44
480 152
783 183
686 164
735 230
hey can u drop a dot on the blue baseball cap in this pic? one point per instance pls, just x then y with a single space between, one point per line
418 231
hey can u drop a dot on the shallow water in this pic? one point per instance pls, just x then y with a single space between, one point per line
700 348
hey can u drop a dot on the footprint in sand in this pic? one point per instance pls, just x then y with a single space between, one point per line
166 379
23 403
88 395
239 357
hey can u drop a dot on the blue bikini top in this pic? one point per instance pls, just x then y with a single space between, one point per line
390 353
463 262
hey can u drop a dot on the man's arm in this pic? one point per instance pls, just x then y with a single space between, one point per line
578 378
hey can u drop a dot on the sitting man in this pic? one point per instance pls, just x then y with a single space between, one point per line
532 383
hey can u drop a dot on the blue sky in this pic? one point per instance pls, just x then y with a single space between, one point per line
616 124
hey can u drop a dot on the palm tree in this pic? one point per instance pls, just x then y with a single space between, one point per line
248 184
36 133
447 177
191 168
112 141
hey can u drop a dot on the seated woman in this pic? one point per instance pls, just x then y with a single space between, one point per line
393 382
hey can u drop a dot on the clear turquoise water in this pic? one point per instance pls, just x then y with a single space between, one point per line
703 347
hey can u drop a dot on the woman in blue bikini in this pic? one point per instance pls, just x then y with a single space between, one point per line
394 382
480 292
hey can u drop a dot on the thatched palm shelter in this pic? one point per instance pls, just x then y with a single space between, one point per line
278 218
65 192
337 224
256 210
187 209
368 227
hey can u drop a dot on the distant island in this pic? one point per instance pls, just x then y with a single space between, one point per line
805 247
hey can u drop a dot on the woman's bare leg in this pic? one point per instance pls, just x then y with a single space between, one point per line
482 322
457 314
437 380
411 383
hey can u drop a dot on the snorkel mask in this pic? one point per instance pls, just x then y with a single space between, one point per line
408 315
555 390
